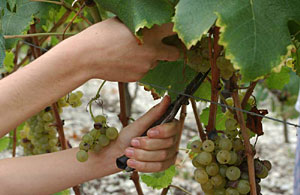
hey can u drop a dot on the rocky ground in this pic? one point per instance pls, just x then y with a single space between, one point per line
271 146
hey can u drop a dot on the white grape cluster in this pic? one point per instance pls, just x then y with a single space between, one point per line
39 134
221 165
100 136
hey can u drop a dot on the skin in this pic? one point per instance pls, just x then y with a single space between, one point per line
107 50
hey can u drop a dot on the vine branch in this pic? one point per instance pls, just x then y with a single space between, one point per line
197 118
248 93
36 35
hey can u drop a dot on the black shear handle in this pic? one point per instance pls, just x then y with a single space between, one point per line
167 117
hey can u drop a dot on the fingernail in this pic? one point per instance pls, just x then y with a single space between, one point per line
131 163
135 142
153 133
129 152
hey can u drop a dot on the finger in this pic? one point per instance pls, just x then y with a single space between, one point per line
150 166
168 53
143 123
146 143
164 131
150 156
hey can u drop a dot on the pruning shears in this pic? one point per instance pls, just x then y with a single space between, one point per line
169 115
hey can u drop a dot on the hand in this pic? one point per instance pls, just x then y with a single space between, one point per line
155 152
109 50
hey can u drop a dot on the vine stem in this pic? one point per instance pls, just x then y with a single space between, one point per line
45 1
124 120
215 76
36 35
71 22
248 93
94 99
181 125
197 118
14 143
248 149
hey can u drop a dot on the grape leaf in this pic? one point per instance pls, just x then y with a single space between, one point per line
171 75
2 50
204 90
220 118
277 80
4 143
255 33
159 180
65 192
193 18
9 61
136 14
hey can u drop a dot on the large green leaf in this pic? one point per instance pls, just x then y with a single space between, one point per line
193 18
137 14
2 50
255 33
170 75
277 80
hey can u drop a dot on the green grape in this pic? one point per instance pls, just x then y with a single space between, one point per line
237 144
231 191
233 158
112 133
43 140
207 186
221 191
53 142
204 158
84 146
62 102
263 173
97 147
230 124
196 163
233 173
95 134
79 94
223 169
200 176
208 146
226 74
267 164
217 180
212 169
196 146
82 156
103 140
225 144
73 97
47 116
223 156
243 187
100 119
231 133
87 138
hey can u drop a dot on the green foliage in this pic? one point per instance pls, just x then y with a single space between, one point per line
193 18
4 143
65 192
296 57
220 118
138 14
2 50
9 61
255 33
278 80
172 75
159 180
204 90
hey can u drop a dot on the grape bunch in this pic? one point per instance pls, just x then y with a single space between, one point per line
39 135
225 67
221 164
99 137
198 56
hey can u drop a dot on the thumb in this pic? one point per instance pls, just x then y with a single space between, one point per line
168 53
143 123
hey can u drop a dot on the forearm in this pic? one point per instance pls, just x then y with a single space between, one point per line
49 173
37 85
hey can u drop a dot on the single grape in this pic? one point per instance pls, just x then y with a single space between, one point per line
223 169
233 158
196 146
243 187
233 173
87 138
100 119
221 191
200 176
267 164
212 169
207 186
230 124
231 191
95 133
237 144
223 156
103 140
112 133
84 146
263 173
231 133
196 163
53 142
225 144
82 156
216 180
97 147
204 158
208 146
79 94
47 116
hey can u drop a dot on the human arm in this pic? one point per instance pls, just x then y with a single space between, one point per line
107 50
53 172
